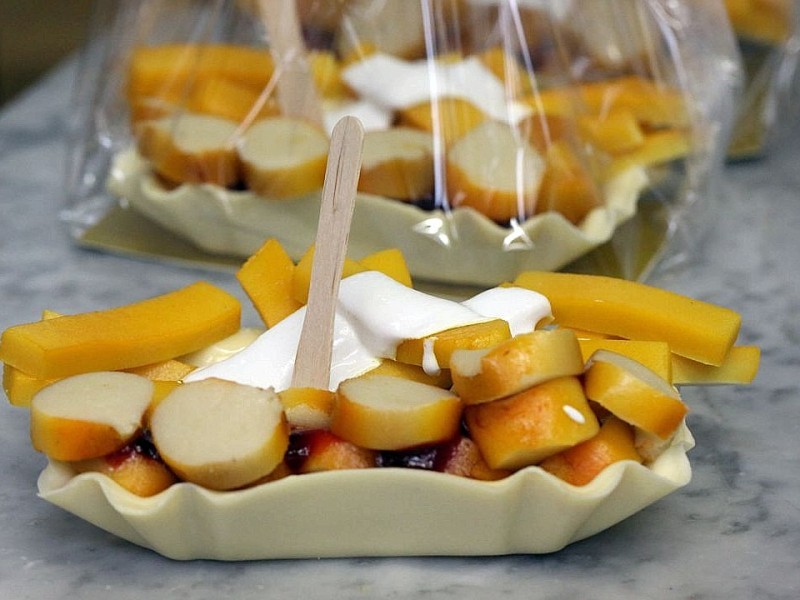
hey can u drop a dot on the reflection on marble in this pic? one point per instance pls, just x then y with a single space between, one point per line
733 532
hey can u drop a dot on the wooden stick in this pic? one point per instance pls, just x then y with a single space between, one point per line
313 362
297 93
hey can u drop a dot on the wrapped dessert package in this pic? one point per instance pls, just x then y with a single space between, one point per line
500 136
768 33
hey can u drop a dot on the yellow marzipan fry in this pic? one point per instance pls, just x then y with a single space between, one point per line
168 70
133 335
266 277
390 262
653 355
739 367
695 329
20 388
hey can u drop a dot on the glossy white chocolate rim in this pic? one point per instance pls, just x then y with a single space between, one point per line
459 247
371 512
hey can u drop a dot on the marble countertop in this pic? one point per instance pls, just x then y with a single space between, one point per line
733 532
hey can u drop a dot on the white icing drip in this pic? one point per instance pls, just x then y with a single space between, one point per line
574 414
393 83
429 363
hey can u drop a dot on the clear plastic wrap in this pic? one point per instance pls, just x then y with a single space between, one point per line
501 136
768 34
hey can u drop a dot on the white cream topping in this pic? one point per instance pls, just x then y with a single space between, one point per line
264 363
374 314
222 349
372 116
522 309
385 312
269 360
393 83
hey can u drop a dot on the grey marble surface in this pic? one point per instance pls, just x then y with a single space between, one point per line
733 532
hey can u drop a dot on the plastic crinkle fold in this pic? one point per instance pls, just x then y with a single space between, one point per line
501 136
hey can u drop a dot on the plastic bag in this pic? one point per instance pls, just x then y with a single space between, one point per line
501 136
768 34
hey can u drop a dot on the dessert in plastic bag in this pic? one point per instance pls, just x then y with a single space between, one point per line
768 32
501 136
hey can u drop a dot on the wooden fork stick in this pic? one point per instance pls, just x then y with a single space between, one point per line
313 361
297 94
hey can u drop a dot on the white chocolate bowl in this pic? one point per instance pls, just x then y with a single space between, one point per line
457 247
371 512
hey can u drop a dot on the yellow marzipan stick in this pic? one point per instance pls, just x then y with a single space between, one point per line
168 70
656 356
133 335
266 277
695 329
740 367
20 388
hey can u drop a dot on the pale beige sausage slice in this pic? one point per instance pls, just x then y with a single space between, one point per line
89 415
191 148
283 157
220 434
494 171
397 163
380 412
